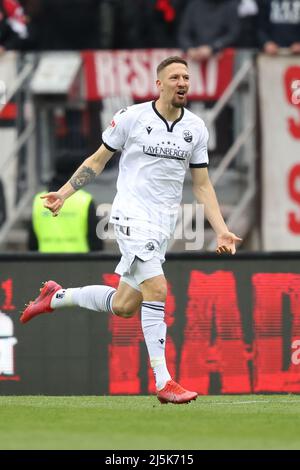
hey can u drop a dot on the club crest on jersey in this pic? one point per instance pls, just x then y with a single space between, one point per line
149 246
188 136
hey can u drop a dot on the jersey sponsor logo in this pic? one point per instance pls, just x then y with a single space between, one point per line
171 153
149 129
188 136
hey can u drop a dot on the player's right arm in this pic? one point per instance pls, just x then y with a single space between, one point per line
86 173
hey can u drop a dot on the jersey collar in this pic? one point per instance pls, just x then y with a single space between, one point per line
169 128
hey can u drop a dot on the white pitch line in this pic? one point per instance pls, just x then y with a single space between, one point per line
249 402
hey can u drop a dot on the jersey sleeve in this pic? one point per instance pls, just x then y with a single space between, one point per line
115 135
199 157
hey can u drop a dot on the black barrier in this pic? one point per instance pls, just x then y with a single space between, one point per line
233 327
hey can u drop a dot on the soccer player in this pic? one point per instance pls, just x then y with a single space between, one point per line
159 141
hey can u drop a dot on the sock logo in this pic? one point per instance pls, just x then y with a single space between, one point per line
61 295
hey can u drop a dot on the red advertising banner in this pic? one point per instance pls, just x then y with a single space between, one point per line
233 327
133 73
213 307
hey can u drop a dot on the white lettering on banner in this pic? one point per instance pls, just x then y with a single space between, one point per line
285 12
295 359
123 72
140 81
7 343
105 74
2 92
212 77
7 355
294 192
204 81
197 86
296 92
133 73
280 118
291 80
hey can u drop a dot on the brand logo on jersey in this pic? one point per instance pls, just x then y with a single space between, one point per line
161 341
149 246
149 129
188 136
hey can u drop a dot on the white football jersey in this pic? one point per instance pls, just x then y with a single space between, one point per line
155 157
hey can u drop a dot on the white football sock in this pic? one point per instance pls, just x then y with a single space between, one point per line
155 329
97 298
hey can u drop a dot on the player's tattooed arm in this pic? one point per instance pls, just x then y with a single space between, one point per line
83 176
86 173
90 168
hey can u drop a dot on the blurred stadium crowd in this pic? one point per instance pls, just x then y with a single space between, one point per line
201 27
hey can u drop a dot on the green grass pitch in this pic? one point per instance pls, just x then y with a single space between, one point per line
141 422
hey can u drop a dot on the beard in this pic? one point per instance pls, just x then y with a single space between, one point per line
179 104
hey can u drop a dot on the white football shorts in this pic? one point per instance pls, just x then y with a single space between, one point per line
143 253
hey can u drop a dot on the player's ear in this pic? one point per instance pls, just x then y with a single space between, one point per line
159 84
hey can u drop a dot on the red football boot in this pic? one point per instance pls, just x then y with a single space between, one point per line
174 393
42 303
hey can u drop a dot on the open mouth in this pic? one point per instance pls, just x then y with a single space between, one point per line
181 93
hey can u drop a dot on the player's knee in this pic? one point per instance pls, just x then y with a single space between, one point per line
123 310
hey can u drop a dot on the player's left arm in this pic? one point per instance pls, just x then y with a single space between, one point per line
205 194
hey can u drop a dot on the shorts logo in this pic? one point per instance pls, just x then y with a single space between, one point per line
149 246
188 136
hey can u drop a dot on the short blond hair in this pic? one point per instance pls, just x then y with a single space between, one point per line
170 60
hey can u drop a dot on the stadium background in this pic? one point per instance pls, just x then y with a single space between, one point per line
240 341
